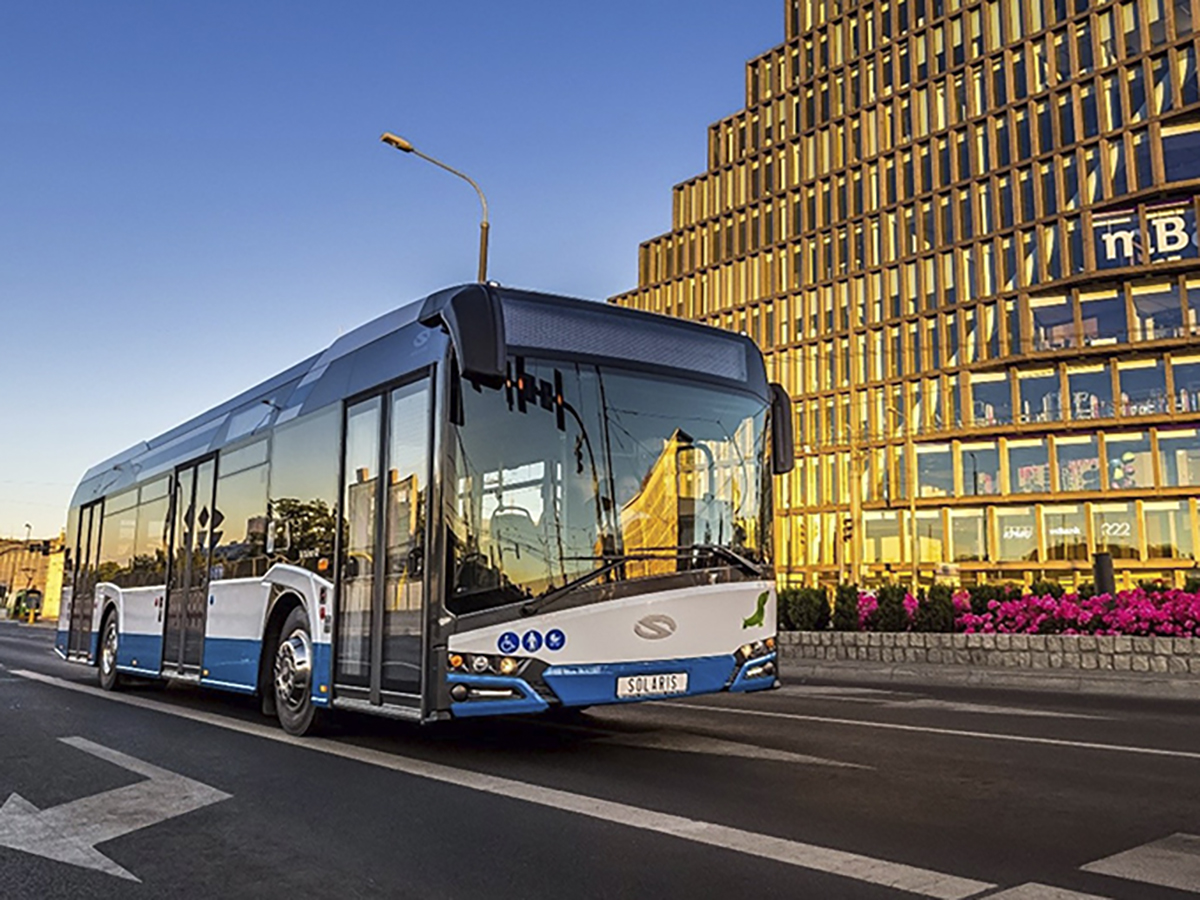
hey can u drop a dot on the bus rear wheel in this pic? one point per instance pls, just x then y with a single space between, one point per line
106 665
293 674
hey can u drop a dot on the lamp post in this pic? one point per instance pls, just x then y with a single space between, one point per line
404 146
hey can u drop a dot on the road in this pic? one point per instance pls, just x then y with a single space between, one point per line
810 791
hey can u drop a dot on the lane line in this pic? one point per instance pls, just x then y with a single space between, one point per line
924 882
1035 891
681 742
951 732
1173 862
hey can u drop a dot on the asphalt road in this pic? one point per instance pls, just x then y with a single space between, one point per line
811 791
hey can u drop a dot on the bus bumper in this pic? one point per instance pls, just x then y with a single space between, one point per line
596 684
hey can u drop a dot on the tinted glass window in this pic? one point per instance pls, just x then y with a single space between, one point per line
303 480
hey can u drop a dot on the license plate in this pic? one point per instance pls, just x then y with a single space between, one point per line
652 685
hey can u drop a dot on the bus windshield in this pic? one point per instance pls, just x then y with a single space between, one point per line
572 468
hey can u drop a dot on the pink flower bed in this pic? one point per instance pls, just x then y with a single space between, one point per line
1170 613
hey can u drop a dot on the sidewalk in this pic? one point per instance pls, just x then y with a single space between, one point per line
1149 685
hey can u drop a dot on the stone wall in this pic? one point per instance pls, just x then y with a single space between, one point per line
1176 656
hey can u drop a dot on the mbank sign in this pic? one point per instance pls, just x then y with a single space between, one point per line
1170 234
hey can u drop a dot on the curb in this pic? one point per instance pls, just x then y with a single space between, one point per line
1091 682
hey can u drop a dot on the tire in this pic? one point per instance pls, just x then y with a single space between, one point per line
291 681
106 664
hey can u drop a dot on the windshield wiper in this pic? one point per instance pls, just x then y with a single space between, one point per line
538 603
547 597
730 555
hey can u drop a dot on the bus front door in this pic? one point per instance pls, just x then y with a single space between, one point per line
193 522
381 598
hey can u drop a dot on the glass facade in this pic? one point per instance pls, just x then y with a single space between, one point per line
964 233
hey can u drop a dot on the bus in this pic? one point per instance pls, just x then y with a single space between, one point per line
491 501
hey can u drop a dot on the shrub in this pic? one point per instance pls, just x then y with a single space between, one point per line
935 610
982 594
892 612
845 608
804 609
1046 588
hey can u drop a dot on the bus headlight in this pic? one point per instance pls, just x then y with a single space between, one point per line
508 666
480 664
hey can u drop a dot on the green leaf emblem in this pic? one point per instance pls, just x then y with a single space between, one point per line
760 613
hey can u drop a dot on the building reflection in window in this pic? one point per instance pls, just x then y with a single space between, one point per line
1179 457
1065 530
1041 396
1078 463
935 470
1156 310
1143 387
1130 463
991 398
979 462
1090 389
1168 525
1028 466
1186 372
1103 315
1016 534
1053 322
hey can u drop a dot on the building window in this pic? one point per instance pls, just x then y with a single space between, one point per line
1179 457
979 463
1078 463
1168 525
1028 466
1186 372
1065 529
882 536
1115 527
968 535
1090 389
1053 322
931 538
935 470
1130 462
1181 148
991 399
1156 310
1143 387
1016 534
1103 315
1041 396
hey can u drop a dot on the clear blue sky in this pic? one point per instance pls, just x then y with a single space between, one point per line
193 195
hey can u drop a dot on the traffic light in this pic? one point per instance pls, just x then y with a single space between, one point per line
847 529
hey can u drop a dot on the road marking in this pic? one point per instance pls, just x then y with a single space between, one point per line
1173 862
694 743
924 882
907 701
69 832
1035 891
926 729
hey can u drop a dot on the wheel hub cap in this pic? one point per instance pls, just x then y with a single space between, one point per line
293 670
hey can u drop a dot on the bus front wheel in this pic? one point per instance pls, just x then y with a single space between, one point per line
293 674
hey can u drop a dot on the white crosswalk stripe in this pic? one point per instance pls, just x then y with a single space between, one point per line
1173 862
1035 891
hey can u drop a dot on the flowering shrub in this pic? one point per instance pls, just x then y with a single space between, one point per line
1170 613
1149 610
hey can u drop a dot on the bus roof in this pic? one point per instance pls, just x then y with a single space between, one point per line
402 341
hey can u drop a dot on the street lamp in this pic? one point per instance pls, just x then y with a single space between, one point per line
404 146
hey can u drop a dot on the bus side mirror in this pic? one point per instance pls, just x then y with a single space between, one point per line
473 317
783 441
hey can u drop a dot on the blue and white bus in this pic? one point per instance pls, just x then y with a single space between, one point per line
491 501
